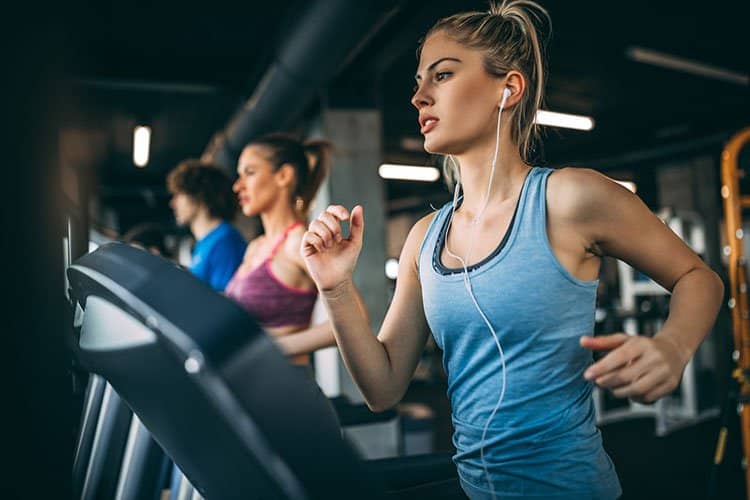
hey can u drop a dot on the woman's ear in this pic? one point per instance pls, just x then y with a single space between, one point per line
285 175
516 83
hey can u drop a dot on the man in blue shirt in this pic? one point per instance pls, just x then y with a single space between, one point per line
202 199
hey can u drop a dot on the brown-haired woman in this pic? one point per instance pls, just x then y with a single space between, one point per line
505 276
278 178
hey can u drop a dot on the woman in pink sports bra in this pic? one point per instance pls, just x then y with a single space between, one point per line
278 178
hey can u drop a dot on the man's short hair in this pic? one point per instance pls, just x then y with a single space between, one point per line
207 184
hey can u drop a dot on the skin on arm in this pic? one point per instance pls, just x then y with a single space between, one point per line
381 366
615 222
308 340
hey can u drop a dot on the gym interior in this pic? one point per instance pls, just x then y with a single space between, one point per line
121 362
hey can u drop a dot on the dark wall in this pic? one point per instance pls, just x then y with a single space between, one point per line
37 425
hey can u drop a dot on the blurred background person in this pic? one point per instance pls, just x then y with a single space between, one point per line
202 200
278 176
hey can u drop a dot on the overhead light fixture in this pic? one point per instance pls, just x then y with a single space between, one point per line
628 184
653 57
141 145
391 268
563 120
408 173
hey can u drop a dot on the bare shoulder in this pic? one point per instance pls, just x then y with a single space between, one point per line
575 193
419 229
292 244
415 238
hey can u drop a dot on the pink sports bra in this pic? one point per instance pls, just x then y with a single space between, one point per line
269 300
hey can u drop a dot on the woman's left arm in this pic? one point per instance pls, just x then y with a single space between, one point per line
307 341
619 224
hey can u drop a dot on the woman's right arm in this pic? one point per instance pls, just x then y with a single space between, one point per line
381 366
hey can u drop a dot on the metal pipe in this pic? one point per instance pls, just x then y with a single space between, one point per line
327 36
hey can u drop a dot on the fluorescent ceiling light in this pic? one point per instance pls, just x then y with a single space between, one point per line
629 185
408 173
141 145
563 120
648 56
391 268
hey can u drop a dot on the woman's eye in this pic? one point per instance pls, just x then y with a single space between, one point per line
438 77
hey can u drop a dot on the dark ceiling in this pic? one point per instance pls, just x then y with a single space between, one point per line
185 69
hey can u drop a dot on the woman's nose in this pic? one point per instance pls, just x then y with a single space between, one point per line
420 99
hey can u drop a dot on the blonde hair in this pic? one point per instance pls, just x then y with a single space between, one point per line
512 35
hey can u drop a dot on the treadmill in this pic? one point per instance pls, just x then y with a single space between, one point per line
201 375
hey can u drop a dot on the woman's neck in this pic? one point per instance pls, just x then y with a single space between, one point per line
476 166
277 219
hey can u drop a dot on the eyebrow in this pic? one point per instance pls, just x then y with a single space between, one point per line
431 66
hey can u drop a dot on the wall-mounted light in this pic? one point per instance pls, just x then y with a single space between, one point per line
628 184
408 173
563 120
141 145
391 268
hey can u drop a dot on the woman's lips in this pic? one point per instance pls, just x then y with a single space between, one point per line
429 124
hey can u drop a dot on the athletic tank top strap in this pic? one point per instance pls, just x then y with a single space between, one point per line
282 238
424 257
536 215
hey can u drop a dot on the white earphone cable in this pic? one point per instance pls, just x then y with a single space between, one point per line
467 279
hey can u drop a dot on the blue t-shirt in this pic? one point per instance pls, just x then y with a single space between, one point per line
217 255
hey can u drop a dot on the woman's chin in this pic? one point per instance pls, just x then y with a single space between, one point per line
435 146
247 211
431 145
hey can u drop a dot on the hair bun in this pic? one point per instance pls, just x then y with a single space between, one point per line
496 8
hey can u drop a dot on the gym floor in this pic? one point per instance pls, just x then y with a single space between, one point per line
649 467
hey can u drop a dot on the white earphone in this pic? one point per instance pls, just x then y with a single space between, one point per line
506 94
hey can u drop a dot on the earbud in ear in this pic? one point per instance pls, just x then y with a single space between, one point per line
506 94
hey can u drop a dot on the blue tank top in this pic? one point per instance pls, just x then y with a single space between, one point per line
543 441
